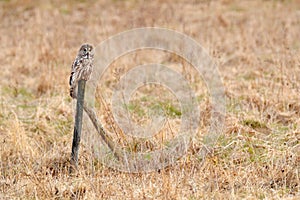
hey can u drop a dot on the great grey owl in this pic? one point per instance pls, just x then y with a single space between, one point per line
82 67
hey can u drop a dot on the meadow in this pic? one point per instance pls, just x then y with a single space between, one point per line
256 46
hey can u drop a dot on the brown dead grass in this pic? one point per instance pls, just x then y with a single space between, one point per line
256 46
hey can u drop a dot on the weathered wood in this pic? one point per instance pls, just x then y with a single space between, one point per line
81 105
93 117
78 123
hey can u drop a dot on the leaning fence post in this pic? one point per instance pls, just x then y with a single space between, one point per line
78 123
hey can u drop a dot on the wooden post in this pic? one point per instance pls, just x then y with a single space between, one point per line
78 124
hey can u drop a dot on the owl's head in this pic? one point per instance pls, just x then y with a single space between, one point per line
86 51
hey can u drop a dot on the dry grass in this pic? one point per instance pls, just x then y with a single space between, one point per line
256 46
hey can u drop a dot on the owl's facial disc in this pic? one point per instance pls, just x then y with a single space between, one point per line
86 51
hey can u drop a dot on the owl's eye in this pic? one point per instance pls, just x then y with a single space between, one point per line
85 49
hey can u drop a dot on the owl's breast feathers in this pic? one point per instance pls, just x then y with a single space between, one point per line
81 69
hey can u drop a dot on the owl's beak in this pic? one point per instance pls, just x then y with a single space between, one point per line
88 55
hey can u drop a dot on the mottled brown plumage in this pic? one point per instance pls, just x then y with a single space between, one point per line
82 67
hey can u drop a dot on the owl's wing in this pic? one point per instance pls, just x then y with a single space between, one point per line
71 78
76 64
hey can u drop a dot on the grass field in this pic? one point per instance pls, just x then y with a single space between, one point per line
256 45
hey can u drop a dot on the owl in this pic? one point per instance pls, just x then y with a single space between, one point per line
82 67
